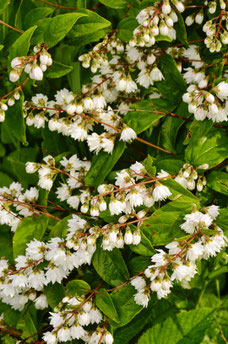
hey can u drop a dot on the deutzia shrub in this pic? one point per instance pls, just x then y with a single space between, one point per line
113 174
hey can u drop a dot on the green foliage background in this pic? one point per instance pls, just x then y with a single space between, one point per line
193 316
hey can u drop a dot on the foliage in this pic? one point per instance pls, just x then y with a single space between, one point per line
113 171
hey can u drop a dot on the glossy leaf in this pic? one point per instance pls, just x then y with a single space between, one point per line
105 304
186 327
102 164
77 287
53 30
28 229
110 266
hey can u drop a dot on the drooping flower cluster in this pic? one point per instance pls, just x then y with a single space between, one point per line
16 204
178 262
29 64
71 318
189 178
204 104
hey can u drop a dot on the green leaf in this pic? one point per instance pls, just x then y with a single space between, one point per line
26 324
156 312
221 220
159 38
143 117
77 287
11 316
218 181
15 163
105 304
110 266
6 243
54 294
14 122
163 225
148 163
53 30
171 166
170 128
180 28
125 304
210 148
5 180
138 264
185 328
114 3
8 340
21 46
125 28
3 5
61 228
102 164
173 86
87 26
36 14
58 70
28 229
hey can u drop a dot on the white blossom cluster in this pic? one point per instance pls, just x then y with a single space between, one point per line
156 20
214 28
204 104
178 262
73 167
189 178
29 64
16 204
71 318
61 257
123 197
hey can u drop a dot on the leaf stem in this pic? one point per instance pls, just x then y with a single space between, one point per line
11 27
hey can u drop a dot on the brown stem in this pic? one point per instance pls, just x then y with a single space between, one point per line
58 6
11 27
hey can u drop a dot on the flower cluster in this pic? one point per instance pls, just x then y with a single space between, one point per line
204 104
16 204
74 168
178 262
189 178
30 64
156 20
71 317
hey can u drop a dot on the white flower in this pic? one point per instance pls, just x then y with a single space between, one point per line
195 252
160 192
222 90
64 334
128 134
94 143
36 73
142 298
136 237
183 271
138 283
116 207
50 338
77 332
213 211
14 75
41 302
108 338
128 237
16 62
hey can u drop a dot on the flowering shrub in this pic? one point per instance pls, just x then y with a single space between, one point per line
113 183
